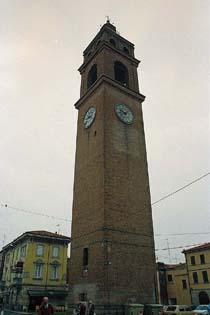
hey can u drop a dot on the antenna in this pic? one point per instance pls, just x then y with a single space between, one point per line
4 240
169 252
58 230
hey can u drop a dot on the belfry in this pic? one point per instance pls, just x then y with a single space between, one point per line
112 251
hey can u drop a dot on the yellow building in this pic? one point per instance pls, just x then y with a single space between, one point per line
198 266
177 284
32 266
172 284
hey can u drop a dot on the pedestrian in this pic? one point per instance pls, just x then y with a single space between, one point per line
46 308
83 309
91 308
1 310
80 309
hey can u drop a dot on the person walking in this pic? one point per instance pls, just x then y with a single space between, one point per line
91 308
1 310
80 309
77 309
83 309
46 308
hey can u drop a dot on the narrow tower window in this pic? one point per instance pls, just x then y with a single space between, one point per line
85 257
126 50
92 76
112 42
121 73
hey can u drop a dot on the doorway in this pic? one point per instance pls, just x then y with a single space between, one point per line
203 298
34 301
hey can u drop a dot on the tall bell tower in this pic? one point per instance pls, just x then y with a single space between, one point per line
112 250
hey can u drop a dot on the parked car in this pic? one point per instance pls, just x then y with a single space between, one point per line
193 307
153 309
178 310
201 310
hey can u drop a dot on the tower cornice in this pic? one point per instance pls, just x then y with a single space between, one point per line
104 45
103 79
112 30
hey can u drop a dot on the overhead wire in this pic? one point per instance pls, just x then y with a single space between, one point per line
181 234
165 197
177 247
34 212
153 203
180 189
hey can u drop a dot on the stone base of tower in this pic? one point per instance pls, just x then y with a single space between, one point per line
120 270
85 292
117 303
114 308
102 309
116 296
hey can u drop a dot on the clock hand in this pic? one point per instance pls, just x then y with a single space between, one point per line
123 111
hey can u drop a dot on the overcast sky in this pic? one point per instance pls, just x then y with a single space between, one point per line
41 46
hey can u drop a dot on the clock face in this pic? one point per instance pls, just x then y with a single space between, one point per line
89 117
124 113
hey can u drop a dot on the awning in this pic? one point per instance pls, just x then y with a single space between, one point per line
49 293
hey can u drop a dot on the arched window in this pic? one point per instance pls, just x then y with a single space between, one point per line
112 42
125 49
92 76
121 73
85 257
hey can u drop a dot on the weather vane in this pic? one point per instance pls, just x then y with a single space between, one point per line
107 19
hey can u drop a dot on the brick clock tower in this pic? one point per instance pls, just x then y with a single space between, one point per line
112 250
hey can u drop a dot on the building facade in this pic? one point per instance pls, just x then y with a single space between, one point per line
172 284
177 284
186 283
198 266
1 273
34 265
112 250
161 284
